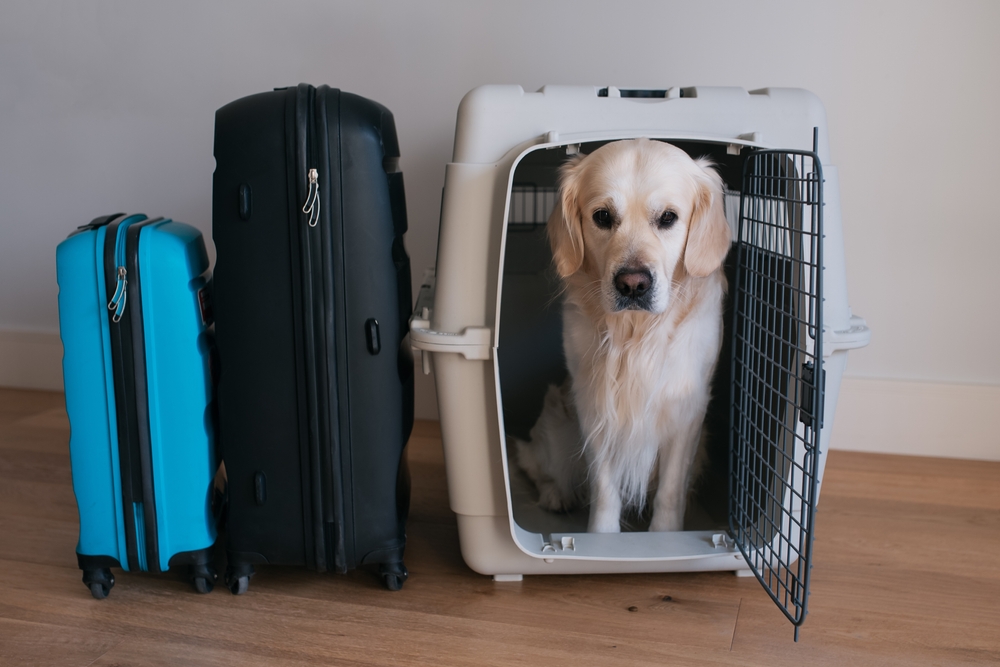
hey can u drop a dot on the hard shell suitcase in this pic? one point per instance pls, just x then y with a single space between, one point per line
312 287
134 317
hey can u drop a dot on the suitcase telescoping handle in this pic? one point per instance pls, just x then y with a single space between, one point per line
472 342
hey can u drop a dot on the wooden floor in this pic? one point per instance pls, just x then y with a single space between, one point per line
907 573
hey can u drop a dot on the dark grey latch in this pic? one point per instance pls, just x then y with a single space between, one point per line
246 201
371 336
260 487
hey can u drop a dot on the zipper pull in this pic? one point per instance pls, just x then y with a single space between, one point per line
311 207
117 302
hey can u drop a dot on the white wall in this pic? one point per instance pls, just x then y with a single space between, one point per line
109 106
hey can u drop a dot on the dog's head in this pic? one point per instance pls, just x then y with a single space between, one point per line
635 217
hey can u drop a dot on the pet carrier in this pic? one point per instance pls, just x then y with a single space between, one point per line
491 317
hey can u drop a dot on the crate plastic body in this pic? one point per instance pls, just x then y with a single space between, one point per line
498 127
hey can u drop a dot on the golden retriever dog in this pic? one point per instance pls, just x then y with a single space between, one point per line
639 237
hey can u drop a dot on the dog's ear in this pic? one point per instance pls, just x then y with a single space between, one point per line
709 235
565 226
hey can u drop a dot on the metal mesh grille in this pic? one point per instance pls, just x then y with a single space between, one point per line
777 392
531 204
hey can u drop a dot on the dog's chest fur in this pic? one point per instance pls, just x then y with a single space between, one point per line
636 374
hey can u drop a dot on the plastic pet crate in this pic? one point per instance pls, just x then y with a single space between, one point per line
489 322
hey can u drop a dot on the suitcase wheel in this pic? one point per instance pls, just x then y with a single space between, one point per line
99 591
393 581
238 578
99 582
203 576
239 585
393 575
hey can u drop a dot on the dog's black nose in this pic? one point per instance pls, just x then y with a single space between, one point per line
633 283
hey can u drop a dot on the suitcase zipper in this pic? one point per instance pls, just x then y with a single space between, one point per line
311 207
139 512
117 302
334 543
144 507
312 290
114 280
310 440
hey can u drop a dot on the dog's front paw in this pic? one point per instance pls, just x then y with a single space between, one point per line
667 521
551 495
550 498
604 521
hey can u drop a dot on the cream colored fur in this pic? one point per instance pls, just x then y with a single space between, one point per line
631 412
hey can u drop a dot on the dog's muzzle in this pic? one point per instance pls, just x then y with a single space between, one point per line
634 287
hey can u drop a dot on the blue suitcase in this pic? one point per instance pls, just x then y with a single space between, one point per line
134 317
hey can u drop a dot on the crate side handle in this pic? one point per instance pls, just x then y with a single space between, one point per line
856 335
472 342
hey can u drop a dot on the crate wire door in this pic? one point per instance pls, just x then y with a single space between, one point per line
777 393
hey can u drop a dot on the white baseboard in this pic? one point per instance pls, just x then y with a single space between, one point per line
31 360
918 418
884 416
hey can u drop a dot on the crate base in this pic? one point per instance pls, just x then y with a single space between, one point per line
534 519
488 547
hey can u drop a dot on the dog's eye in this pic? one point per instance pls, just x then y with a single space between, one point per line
667 220
602 218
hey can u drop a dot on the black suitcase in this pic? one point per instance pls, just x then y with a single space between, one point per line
312 298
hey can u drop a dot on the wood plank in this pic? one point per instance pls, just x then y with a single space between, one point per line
27 438
429 487
41 644
163 650
912 536
52 418
953 482
43 500
426 428
274 620
36 466
904 575
35 540
696 611
833 638
18 403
